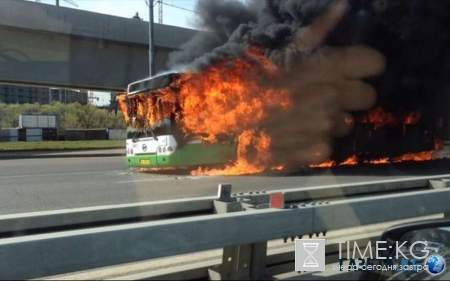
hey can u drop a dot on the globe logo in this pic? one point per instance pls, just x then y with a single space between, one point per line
435 264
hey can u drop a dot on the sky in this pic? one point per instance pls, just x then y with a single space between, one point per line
127 9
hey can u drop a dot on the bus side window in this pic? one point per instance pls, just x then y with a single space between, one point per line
173 124
161 109
176 131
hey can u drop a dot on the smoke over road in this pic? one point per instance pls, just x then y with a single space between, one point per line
413 34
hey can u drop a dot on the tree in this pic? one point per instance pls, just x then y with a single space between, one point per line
73 115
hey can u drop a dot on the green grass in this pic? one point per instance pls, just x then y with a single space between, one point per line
48 145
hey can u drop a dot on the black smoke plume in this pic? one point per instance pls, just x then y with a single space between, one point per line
414 35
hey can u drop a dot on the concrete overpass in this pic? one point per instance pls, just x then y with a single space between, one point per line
62 47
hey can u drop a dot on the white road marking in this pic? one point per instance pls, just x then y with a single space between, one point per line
57 174
163 179
168 178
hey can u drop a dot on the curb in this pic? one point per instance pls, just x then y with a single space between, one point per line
61 149
12 157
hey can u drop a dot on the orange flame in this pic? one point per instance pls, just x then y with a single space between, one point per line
353 160
419 156
278 168
379 118
413 118
123 106
230 98
253 156
326 164
380 161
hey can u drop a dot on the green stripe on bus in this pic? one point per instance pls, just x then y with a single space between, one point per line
188 155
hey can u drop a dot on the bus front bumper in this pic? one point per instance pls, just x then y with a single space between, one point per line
149 161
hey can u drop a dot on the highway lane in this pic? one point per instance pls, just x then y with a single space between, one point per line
29 185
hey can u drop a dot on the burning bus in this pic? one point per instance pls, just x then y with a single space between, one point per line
213 117
151 109
162 113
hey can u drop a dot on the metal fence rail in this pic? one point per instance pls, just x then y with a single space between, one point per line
55 253
22 224
278 260
59 252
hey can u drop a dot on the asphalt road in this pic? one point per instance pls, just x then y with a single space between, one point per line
29 185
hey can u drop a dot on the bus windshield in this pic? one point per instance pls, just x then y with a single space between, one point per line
161 128
149 107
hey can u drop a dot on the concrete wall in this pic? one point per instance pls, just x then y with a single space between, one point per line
63 47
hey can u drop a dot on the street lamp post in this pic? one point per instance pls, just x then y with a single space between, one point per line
151 41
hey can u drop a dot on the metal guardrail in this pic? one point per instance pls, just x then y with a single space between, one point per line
38 222
278 261
58 250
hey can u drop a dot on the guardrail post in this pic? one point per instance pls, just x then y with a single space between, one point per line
241 262
225 203
439 184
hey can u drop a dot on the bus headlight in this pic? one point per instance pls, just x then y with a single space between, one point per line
164 149
131 151
160 149
169 149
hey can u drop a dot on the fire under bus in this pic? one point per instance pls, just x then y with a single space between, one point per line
152 111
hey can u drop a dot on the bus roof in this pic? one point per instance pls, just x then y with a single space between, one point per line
152 83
